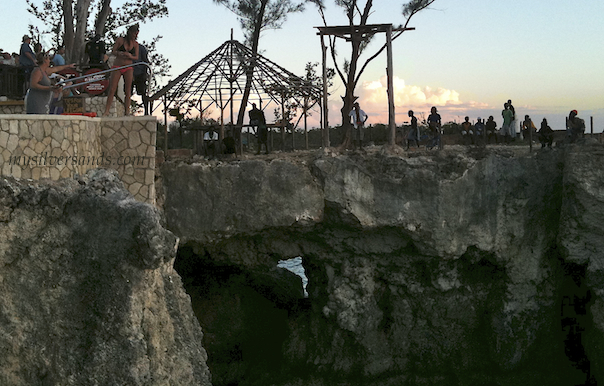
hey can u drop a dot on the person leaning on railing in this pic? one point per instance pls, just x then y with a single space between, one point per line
40 90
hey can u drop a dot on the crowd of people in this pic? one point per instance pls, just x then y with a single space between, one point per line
487 131
44 86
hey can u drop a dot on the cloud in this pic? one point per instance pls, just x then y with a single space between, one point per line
373 98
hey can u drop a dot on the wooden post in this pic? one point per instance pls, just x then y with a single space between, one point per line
390 75
325 110
530 129
282 123
591 122
165 126
305 123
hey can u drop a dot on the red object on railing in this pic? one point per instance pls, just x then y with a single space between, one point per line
95 88
91 115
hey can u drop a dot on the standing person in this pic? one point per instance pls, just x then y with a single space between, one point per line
41 89
359 118
506 128
95 49
546 134
27 59
435 124
467 136
126 51
413 131
141 77
491 128
258 122
58 59
513 124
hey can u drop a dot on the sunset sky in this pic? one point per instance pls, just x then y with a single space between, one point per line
465 57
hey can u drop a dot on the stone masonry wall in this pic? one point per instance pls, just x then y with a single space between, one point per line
93 105
130 144
59 146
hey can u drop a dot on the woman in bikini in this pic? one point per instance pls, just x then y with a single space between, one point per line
125 50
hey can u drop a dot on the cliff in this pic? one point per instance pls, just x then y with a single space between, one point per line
461 267
88 292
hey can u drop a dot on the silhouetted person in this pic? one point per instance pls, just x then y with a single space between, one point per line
478 130
140 79
507 129
413 134
513 124
491 128
466 131
258 122
229 144
546 134
434 123
528 128
575 127
95 49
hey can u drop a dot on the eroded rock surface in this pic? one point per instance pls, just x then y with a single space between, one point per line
88 295
462 267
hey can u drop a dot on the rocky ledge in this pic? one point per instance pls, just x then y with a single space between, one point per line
88 295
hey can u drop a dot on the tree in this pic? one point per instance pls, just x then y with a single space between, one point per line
68 22
350 72
256 16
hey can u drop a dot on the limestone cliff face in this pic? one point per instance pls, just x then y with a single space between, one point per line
462 267
88 295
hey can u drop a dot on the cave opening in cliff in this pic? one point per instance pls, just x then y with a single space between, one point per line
295 266
575 300
243 311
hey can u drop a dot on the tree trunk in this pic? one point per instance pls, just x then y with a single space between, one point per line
349 96
69 30
250 70
99 26
82 12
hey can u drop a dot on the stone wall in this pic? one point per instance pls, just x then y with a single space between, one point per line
130 144
61 146
93 105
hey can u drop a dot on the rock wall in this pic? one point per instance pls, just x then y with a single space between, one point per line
462 267
88 292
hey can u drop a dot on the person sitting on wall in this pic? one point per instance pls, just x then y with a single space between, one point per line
210 138
478 130
575 127
528 128
491 128
546 134
229 143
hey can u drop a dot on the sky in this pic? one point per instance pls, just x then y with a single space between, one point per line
466 57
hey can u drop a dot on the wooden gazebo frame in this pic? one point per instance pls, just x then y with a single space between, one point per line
219 80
